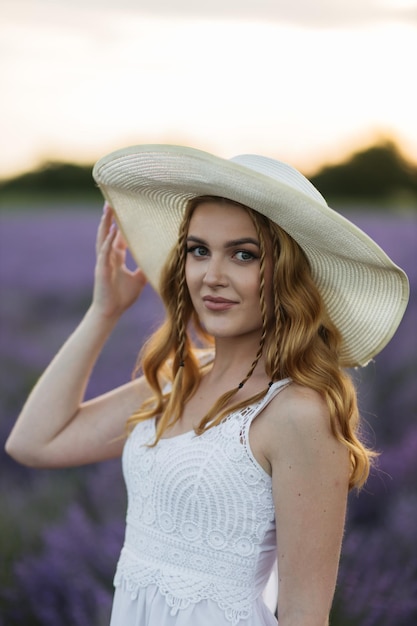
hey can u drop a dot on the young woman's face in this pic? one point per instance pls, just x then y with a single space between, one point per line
222 270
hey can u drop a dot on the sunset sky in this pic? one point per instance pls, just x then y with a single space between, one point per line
304 81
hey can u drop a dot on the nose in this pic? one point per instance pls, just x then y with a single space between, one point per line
215 273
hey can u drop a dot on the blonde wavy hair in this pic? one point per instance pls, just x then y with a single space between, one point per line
309 343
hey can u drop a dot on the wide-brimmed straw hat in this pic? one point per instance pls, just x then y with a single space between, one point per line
149 186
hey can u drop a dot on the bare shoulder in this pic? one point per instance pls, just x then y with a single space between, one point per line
297 407
298 424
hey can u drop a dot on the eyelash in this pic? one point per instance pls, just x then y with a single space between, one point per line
193 249
251 255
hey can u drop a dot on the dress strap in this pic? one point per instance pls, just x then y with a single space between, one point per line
250 412
274 389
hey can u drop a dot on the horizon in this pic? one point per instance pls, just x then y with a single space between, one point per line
342 160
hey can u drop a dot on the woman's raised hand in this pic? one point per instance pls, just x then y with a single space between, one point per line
115 286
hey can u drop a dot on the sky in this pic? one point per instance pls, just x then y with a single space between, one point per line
303 81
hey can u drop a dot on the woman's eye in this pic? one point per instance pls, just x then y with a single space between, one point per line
244 255
198 251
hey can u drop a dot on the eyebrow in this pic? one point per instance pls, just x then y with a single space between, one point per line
228 244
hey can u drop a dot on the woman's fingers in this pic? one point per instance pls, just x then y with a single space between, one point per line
116 287
106 221
120 242
105 253
108 233
104 227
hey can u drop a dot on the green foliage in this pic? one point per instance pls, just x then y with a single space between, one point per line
378 172
52 181
52 177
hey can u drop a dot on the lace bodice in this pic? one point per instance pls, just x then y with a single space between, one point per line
200 517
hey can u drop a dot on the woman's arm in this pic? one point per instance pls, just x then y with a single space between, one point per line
56 428
310 471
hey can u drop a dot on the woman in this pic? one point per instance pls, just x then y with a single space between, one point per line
241 439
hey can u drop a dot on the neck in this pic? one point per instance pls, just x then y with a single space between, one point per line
233 359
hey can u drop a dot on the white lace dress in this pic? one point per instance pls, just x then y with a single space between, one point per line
200 541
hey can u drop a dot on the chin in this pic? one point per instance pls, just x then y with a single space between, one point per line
230 331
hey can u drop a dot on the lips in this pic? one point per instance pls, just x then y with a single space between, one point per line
214 303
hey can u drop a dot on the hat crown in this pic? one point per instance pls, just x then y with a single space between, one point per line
281 172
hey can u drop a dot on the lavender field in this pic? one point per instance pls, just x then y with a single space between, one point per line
61 531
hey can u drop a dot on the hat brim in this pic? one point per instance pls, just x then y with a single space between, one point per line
149 186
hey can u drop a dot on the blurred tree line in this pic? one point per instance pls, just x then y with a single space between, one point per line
379 172
51 180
